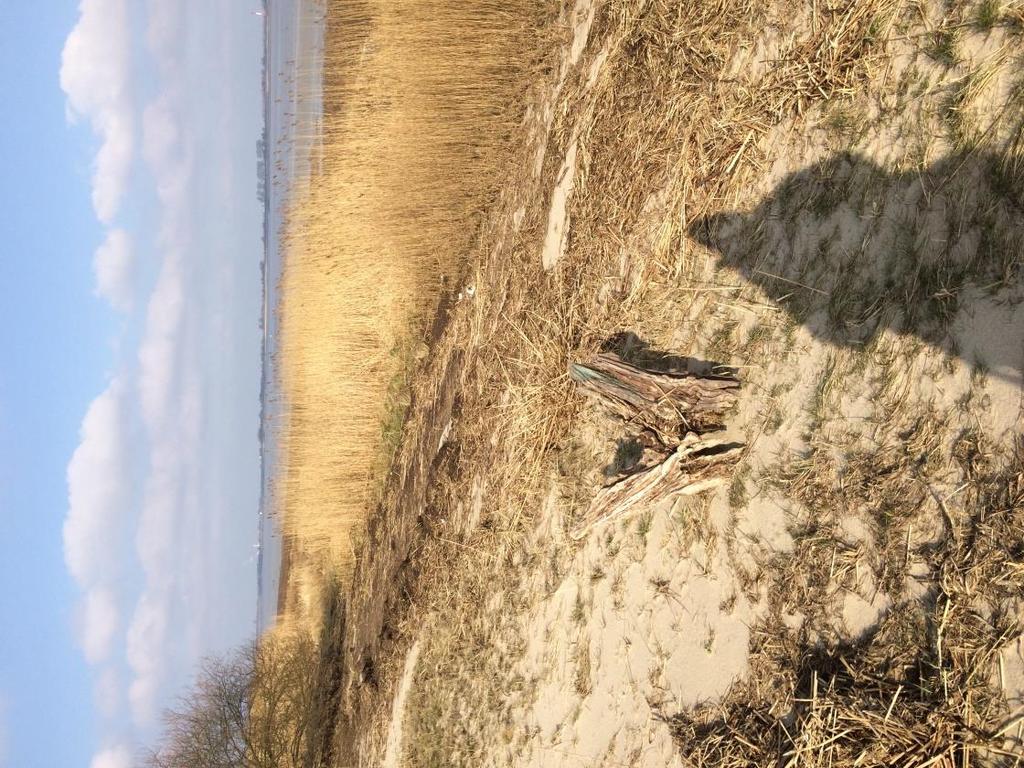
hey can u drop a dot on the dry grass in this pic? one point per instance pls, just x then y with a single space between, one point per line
663 111
679 124
420 100
918 690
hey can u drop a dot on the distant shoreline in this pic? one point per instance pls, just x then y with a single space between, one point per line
264 319
291 104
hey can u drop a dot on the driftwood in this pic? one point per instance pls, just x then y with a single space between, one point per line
695 466
669 410
667 404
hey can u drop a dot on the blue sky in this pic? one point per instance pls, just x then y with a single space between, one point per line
129 394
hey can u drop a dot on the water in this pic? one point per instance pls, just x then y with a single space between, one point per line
293 62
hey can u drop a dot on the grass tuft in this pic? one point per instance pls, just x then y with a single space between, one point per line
944 46
987 14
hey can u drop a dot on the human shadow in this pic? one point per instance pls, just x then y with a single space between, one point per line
849 249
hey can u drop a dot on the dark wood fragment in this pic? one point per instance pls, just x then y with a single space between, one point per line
668 404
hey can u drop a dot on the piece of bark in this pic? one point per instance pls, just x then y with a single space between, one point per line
668 404
696 465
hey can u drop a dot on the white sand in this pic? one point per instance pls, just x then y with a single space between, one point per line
393 751
558 216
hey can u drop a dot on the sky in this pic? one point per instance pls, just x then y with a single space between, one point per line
129 391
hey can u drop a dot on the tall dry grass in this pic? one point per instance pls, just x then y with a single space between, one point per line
420 101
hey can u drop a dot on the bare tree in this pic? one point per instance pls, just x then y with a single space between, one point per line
256 708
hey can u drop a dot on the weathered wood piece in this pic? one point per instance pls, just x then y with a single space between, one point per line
696 465
668 404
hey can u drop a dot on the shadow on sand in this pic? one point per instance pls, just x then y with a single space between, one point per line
849 249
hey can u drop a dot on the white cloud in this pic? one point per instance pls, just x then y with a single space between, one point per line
147 655
113 162
97 487
100 620
95 74
94 61
167 150
114 757
164 30
113 266
161 133
158 350
107 692
170 401
170 384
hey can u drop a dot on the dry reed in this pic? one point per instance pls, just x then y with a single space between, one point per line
420 99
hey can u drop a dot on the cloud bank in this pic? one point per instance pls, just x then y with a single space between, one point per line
164 484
